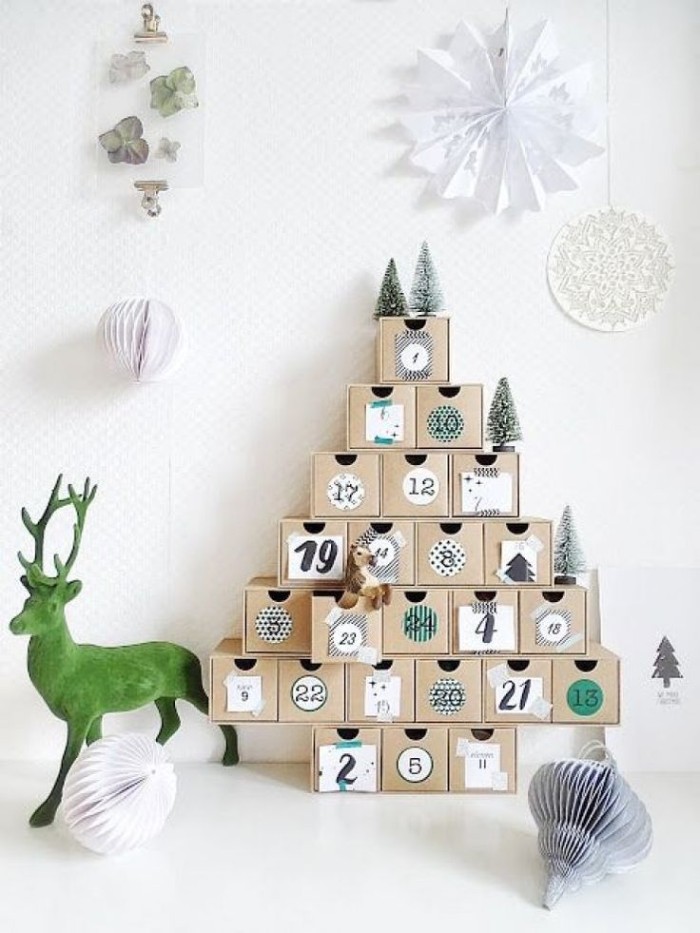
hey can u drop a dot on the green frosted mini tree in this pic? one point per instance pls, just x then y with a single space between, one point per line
426 293
391 301
568 553
503 425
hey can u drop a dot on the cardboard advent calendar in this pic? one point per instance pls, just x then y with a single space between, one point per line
424 694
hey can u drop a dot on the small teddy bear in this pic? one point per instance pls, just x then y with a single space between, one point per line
360 581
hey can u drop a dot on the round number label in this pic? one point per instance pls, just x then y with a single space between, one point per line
309 693
415 357
447 557
414 764
420 623
552 628
447 696
421 486
346 637
273 624
346 492
384 551
584 697
445 424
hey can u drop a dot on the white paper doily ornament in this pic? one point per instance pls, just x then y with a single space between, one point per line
501 118
119 793
610 269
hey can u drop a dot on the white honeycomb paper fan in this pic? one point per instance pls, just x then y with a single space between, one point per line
590 822
119 793
143 337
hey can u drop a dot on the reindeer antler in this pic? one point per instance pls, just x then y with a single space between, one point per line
37 529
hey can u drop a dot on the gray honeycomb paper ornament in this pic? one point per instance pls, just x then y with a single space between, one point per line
590 822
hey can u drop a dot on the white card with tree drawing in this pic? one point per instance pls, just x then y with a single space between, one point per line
518 562
649 616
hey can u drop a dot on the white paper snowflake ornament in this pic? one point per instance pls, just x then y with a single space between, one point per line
610 269
499 118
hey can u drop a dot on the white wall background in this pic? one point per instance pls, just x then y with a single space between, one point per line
273 267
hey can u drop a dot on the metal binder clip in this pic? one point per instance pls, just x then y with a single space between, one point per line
151 26
151 190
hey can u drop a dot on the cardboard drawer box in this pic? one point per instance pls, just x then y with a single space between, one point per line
339 635
449 553
449 416
554 621
310 692
448 690
414 760
485 484
277 621
413 349
415 485
587 690
393 547
381 416
485 621
518 690
312 553
345 484
242 689
518 552
346 760
482 761
417 622
384 692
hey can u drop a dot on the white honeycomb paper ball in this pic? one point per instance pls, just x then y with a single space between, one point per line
143 337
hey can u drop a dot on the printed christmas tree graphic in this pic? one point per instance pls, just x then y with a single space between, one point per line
666 664
519 570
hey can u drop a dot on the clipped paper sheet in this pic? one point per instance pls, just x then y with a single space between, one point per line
383 697
486 492
384 422
244 693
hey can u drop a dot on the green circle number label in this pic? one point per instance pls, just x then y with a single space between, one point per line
584 697
420 623
445 424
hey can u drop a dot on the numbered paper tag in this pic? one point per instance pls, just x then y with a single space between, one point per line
383 698
243 693
415 764
518 562
413 355
348 766
347 633
346 492
421 486
309 693
481 761
315 557
553 625
486 627
516 695
384 422
487 492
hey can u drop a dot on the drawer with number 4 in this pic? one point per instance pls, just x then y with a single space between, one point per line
340 635
310 692
485 621
312 553
587 690
415 485
482 761
448 690
518 690
242 689
384 692
346 760
553 621
277 621
414 760
345 485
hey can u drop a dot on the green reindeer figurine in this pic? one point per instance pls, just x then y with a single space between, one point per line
80 683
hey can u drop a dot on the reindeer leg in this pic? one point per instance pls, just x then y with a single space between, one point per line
44 814
94 733
169 719
198 698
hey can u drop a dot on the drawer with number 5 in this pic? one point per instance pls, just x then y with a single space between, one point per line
277 621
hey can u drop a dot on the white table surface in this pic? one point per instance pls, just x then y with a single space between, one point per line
250 849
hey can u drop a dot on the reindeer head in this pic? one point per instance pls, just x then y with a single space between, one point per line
362 555
48 595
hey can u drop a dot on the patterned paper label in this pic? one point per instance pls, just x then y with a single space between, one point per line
346 492
273 625
445 424
413 355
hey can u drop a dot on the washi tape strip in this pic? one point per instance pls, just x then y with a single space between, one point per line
498 675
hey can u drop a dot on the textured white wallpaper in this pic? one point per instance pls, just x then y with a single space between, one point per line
273 267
